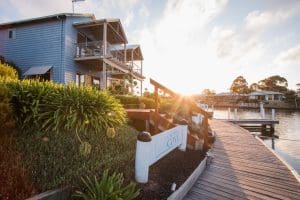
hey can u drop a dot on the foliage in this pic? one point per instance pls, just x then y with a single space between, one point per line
135 101
274 83
109 187
208 92
290 96
14 181
7 72
253 87
45 106
7 122
239 85
54 160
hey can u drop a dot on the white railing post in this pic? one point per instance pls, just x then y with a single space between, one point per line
142 158
184 130
228 113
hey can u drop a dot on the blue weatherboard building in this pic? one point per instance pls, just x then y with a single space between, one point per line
72 48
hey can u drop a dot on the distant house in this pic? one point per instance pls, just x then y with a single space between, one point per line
72 48
266 96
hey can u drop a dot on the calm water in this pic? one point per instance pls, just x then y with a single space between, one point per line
288 130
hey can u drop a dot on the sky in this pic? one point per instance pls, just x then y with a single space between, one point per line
190 45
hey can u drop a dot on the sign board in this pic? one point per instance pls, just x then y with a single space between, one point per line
147 153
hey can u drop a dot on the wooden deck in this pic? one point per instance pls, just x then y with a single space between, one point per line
243 168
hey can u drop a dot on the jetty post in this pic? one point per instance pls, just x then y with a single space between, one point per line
228 114
235 113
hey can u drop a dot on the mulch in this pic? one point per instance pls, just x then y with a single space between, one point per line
176 167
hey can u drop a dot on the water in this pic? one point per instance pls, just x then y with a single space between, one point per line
288 130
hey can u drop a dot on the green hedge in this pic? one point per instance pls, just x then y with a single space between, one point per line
53 160
135 101
48 116
45 106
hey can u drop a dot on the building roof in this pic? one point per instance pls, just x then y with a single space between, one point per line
114 25
229 94
45 18
264 92
136 48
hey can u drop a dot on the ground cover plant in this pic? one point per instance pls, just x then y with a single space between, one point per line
61 133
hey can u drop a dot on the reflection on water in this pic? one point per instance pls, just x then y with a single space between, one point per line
288 130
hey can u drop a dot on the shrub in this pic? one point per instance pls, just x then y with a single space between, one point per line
6 120
7 72
14 180
45 106
110 187
134 101
54 160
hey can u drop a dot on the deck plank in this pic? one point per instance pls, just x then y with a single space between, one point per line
243 168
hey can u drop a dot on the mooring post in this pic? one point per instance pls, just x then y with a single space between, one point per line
262 110
235 113
273 114
273 119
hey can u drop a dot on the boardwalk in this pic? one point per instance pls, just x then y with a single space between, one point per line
243 168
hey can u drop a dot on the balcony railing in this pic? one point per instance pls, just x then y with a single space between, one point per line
95 48
88 49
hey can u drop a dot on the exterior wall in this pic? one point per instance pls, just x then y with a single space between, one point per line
36 44
52 42
70 67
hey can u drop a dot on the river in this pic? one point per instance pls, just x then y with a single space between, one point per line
288 131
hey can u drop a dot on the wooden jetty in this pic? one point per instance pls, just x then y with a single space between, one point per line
243 167
253 121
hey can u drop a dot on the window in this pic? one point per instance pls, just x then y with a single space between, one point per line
79 79
12 33
96 82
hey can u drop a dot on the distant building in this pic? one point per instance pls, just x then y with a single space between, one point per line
264 95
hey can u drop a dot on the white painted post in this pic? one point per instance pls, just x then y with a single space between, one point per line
182 147
143 150
273 114
235 113
262 110
228 114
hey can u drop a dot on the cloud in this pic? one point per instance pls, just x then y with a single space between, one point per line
101 9
238 47
290 56
260 20
175 47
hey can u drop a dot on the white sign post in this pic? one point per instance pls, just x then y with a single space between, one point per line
150 149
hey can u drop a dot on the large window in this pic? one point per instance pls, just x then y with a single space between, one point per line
96 82
79 79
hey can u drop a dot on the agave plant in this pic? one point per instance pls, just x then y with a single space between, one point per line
109 187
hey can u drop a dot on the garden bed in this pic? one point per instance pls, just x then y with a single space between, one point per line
176 167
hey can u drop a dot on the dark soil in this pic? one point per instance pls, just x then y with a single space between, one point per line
176 167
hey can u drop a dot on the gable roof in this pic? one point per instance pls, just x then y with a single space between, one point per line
44 18
264 92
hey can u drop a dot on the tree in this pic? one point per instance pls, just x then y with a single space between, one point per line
208 92
274 83
253 87
239 85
